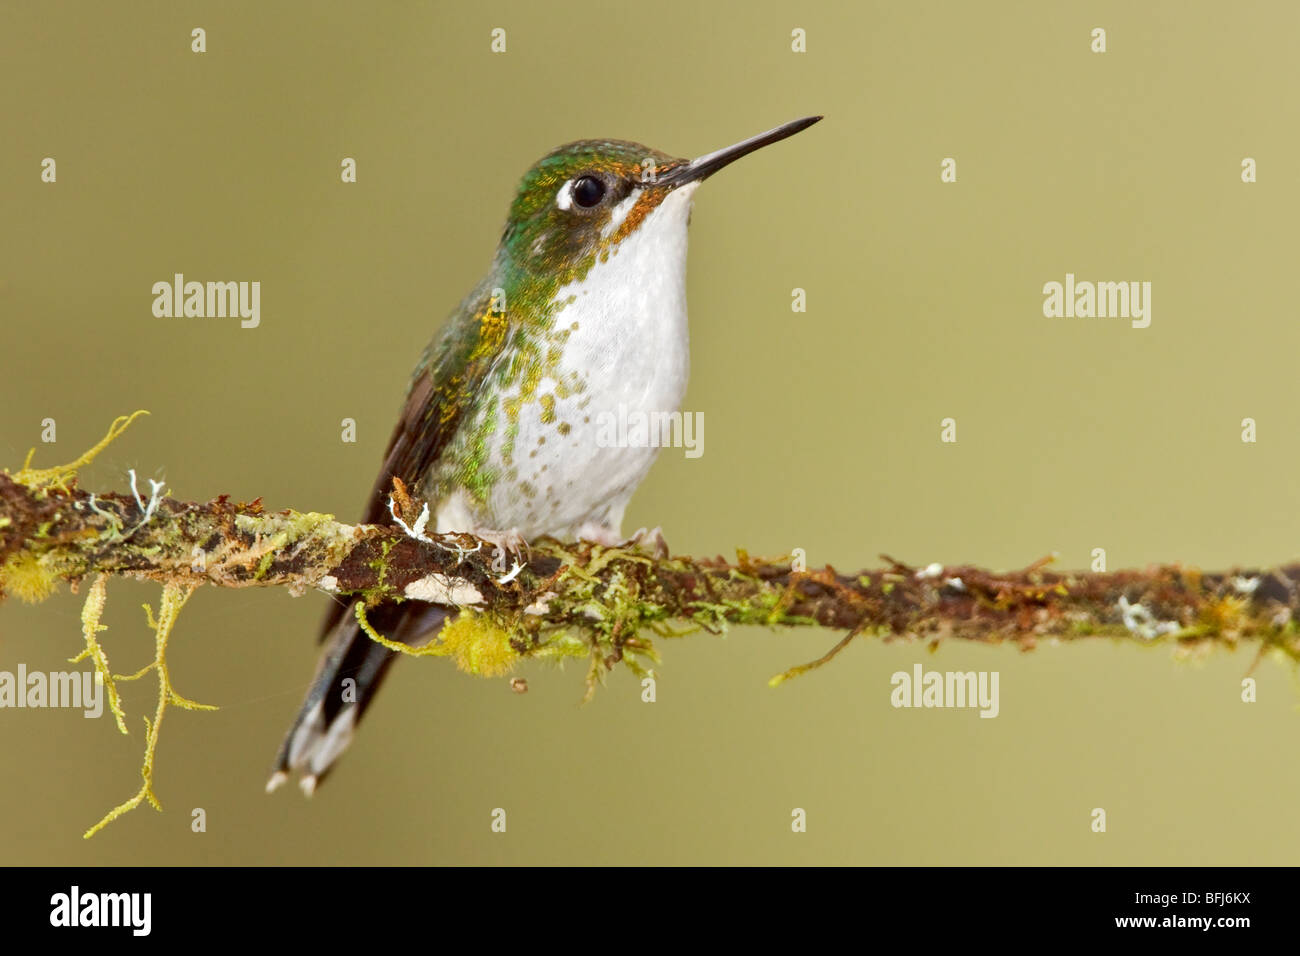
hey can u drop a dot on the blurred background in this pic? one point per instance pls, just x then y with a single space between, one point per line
924 302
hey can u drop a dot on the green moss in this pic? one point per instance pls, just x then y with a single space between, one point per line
28 577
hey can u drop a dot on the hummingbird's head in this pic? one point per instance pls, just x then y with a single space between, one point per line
581 200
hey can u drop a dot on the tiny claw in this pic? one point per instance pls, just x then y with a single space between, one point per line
652 541
509 544
277 781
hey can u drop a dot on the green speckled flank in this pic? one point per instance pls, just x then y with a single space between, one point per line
486 354
528 356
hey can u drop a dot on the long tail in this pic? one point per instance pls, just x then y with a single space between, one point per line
347 677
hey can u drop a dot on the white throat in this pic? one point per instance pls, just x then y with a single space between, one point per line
632 341
626 350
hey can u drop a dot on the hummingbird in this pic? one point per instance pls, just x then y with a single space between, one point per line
582 312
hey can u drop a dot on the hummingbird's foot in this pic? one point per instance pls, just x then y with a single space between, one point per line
511 542
652 541
601 534
507 545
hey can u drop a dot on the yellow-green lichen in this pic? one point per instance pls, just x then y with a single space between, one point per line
174 597
29 577
44 479
91 611
296 530
474 641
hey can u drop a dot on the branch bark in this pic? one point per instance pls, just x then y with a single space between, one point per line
52 531
579 599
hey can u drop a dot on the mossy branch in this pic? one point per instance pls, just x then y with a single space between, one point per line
558 600
607 597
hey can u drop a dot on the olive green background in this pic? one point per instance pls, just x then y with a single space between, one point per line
822 428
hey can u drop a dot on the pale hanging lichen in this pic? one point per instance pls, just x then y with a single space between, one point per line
580 599
33 577
91 611
174 597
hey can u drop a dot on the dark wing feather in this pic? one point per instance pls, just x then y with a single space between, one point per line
450 373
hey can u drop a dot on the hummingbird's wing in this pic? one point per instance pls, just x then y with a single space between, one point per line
448 376
445 382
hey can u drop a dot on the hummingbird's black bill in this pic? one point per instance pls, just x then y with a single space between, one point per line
705 166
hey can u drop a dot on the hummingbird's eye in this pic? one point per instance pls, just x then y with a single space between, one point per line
588 191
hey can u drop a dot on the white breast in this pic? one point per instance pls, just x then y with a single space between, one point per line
631 350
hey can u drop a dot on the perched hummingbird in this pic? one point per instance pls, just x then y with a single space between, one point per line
582 313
